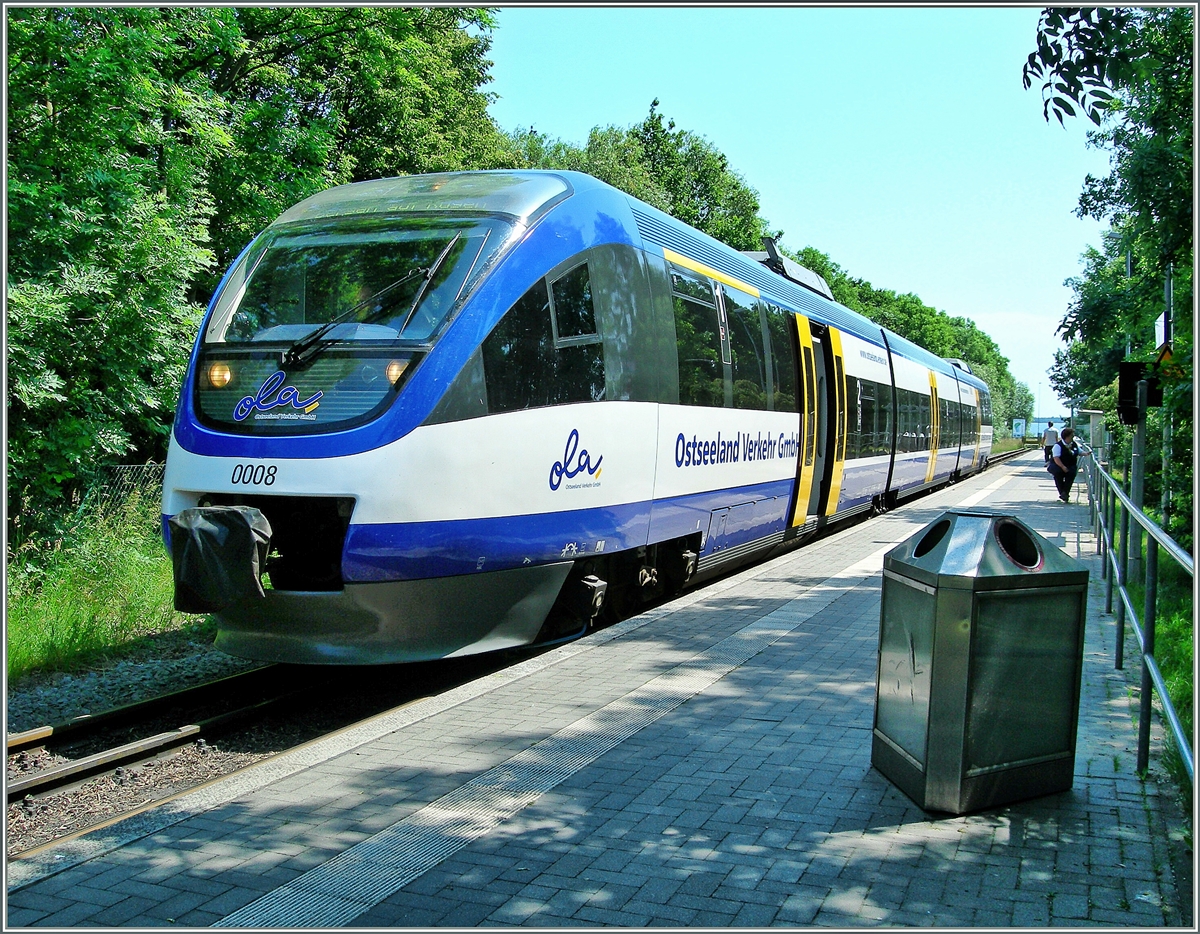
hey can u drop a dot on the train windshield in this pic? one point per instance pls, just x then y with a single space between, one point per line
380 280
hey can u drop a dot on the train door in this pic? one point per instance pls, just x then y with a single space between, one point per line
821 349
839 408
895 433
820 481
978 427
952 418
809 462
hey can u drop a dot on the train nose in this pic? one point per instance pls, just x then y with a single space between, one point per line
218 554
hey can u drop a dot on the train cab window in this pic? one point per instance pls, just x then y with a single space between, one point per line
746 349
698 331
523 366
783 366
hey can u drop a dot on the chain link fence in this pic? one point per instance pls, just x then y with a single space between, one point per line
119 483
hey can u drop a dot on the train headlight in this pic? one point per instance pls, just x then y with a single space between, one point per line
395 370
220 375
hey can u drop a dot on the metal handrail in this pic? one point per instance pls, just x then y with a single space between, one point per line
1103 518
1164 540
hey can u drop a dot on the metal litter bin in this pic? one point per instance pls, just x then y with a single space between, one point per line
980 657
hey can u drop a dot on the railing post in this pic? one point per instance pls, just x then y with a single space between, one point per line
1147 706
1093 506
1110 518
1102 523
1122 577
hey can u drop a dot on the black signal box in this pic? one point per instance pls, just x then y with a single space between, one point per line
1127 383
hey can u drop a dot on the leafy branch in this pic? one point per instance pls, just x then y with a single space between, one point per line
1083 56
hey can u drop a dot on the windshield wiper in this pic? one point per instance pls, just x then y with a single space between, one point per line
429 274
308 347
299 352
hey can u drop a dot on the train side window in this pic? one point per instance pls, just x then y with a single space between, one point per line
783 364
910 422
883 417
698 340
574 317
522 367
868 443
746 350
854 418
687 283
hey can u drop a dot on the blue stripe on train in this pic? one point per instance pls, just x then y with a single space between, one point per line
413 550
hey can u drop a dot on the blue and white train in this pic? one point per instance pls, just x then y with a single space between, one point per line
479 409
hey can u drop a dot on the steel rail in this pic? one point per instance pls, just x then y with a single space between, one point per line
86 723
89 766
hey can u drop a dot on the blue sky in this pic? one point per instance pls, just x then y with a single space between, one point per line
899 140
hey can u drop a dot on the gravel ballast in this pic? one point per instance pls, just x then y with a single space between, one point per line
158 665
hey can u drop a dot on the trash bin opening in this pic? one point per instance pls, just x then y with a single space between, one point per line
935 534
1017 545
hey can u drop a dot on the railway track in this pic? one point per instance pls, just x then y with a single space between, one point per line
202 712
124 760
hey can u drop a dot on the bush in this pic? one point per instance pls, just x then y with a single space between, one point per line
103 584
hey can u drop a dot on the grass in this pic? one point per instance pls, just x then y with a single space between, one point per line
1008 444
104 585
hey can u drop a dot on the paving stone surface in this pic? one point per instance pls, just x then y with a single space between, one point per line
705 764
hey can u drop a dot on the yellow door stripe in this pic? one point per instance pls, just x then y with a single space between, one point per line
934 426
808 441
680 260
837 421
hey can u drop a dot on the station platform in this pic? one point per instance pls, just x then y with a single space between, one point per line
707 763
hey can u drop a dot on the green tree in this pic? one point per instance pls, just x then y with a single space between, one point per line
147 146
675 170
612 155
321 96
108 215
702 189
1130 70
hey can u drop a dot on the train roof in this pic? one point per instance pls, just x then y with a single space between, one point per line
522 195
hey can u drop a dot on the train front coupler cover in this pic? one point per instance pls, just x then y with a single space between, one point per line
218 554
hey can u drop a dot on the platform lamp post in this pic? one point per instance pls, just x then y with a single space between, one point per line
1164 352
1137 479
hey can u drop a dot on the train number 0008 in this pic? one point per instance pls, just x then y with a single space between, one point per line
254 474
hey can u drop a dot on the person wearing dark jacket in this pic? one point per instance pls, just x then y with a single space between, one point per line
1064 463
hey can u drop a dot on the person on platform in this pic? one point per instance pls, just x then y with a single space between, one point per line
1049 439
1065 463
